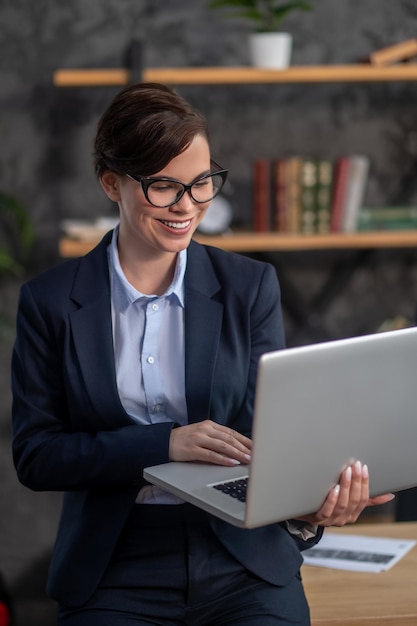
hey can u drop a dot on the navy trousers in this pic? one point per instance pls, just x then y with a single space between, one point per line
169 569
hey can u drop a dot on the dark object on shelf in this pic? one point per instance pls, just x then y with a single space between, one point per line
406 506
134 60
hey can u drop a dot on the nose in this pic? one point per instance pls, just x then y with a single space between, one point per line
185 203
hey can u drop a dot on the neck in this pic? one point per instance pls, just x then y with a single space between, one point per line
151 275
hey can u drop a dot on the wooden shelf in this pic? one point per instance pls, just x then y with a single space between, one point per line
238 75
256 242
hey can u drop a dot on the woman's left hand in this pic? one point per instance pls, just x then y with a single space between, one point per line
346 501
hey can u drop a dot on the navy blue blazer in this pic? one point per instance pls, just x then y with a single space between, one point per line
72 434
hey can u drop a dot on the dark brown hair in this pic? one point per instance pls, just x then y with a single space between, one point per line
144 128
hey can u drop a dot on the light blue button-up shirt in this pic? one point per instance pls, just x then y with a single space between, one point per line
148 338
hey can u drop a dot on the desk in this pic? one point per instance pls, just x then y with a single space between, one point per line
343 598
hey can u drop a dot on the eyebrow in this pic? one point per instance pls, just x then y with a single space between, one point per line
176 180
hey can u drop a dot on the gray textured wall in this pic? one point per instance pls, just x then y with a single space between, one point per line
45 160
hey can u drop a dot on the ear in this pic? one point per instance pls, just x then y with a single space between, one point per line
111 183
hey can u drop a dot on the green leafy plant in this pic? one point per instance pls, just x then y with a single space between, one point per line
266 15
16 235
16 239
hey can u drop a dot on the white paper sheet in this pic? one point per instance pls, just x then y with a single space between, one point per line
357 552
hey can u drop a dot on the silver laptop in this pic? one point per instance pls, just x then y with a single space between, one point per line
317 409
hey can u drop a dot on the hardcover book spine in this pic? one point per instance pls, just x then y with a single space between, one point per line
308 196
293 167
387 218
262 196
340 182
358 179
324 194
280 196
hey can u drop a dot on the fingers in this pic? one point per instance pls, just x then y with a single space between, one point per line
231 446
353 496
382 499
346 501
209 442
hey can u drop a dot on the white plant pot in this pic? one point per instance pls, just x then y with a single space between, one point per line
271 50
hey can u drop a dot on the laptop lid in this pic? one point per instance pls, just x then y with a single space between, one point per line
317 409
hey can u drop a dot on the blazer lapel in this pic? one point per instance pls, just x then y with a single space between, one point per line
203 321
91 326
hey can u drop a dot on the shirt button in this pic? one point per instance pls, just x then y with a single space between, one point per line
151 360
155 307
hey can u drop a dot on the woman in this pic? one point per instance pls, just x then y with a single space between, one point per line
142 352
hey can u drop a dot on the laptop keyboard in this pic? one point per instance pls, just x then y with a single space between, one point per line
234 488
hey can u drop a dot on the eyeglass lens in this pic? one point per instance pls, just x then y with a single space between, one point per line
163 193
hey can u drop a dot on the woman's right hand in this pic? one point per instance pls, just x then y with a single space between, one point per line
210 443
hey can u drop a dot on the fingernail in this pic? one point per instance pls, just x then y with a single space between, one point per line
365 471
248 457
234 461
358 468
348 473
336 490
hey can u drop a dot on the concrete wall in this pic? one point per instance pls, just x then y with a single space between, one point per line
45 160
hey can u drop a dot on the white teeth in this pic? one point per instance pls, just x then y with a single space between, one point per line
177 225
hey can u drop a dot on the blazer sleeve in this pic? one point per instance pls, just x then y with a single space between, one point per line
60 441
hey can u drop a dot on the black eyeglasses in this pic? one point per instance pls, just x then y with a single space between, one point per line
163 192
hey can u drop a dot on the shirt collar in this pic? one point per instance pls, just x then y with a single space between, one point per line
125 294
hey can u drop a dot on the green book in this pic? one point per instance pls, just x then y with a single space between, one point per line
324 195
387 218
308 186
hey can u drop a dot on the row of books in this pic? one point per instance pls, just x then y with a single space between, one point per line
305 195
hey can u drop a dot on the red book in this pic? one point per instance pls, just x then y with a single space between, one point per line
279 203
341 178
262 195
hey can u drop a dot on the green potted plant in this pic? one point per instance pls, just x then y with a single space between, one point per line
16 238
269 47
17 235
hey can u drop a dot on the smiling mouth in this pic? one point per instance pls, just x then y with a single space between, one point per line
176 225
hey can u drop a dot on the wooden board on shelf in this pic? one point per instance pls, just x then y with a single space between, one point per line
91 78
238 75
274 241
255 242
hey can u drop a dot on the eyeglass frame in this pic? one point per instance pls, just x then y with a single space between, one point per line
146 181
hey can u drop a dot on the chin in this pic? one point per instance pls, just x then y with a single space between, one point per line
177 246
